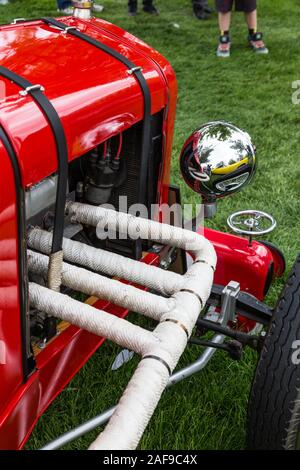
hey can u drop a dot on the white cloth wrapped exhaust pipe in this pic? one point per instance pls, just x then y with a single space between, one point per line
190 292
82 280
146 229
150 276
148 382
91 319
167 283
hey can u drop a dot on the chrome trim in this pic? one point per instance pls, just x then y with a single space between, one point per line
31 88
253 223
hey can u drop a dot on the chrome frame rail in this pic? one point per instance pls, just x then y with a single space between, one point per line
101 419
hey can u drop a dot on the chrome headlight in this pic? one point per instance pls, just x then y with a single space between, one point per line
217 160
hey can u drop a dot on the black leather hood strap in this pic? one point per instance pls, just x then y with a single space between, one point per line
137 72
61 148
53 119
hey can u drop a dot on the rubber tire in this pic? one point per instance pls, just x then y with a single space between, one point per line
274 404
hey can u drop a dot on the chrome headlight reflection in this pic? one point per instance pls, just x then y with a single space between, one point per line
218 159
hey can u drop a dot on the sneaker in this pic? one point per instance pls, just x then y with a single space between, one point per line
4 2
257 44
224 46
200 13
132 8
66 11
97 8
150 9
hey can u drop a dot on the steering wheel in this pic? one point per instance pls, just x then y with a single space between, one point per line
252 223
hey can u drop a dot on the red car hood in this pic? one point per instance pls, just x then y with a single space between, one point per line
92 92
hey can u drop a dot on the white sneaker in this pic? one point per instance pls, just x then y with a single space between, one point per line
67 11
97 8
4 2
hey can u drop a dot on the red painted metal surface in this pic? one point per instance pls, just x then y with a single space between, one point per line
237 261
10 330
64 65
56 366
96 99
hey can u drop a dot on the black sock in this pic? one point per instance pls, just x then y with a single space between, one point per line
252 31
224 33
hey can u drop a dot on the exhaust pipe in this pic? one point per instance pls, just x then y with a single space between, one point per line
161 349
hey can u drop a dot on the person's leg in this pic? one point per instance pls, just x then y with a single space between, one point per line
148 7
255 38
63 4
224 8
201 9
251 20
132 7
224 21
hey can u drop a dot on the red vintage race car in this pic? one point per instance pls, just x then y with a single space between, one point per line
86 235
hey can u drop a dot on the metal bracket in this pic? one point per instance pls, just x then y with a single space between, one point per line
31 88
247 306
18 20
133 70
169 256
69 28
229 297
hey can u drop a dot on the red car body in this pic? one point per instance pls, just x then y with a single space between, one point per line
95 98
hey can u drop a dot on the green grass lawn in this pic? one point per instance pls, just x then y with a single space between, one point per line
207 411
